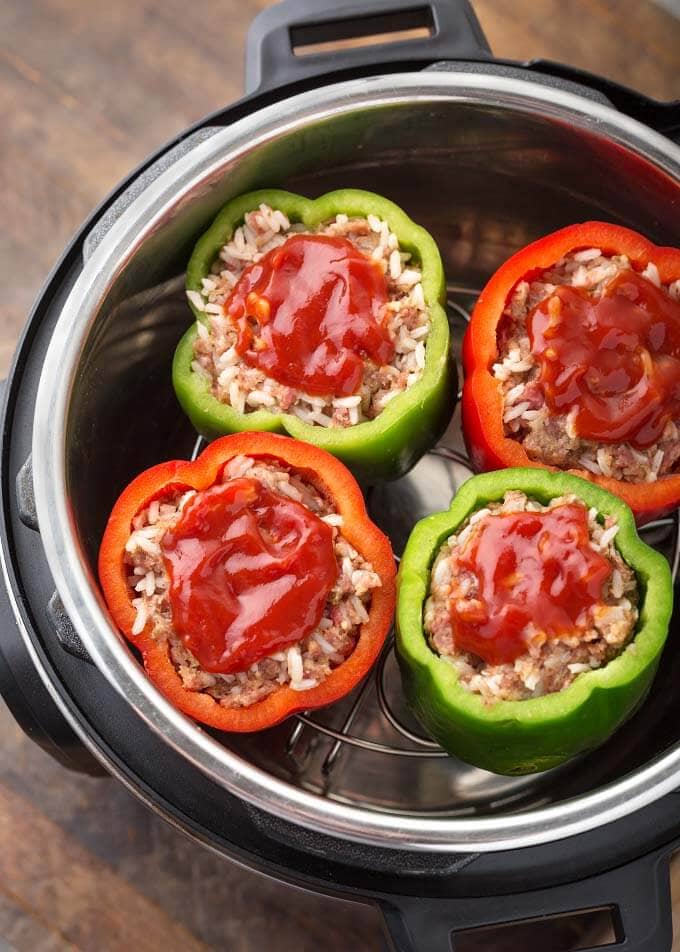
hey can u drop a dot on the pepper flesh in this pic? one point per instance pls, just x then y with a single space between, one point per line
527 736
482 402
376 450
201 474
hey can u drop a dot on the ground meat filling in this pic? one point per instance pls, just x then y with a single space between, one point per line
247 388
301 666
550 437
549 665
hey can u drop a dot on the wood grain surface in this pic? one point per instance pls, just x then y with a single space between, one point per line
86 92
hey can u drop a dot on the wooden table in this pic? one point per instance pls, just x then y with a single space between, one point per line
86 92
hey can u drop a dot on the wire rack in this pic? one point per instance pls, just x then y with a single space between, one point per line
373 697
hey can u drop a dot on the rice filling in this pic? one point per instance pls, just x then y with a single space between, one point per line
246 388
551 437
549 664
300 666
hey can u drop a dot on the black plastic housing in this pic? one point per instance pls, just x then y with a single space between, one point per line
87 726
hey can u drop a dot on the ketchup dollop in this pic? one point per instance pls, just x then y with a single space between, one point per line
533 568
309 313
615 359
250 572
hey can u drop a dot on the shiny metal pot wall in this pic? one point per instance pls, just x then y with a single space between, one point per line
486 163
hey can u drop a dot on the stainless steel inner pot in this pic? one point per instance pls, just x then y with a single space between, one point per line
486 163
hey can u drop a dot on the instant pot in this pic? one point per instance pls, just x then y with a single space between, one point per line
355 800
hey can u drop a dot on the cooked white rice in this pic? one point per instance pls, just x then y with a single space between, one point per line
549 664
300 666
247 388
549 437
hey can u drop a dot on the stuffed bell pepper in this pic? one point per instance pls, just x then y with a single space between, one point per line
251 580
321 319
530 619
572 361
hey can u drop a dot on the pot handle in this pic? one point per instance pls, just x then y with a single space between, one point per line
636 896
291 40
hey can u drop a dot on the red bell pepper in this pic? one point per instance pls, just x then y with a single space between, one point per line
360 532
482 402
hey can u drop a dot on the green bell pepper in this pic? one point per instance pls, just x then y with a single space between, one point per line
527 736
380 449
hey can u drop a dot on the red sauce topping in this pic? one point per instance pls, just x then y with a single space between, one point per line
309 313
616 359
250 572
533 567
